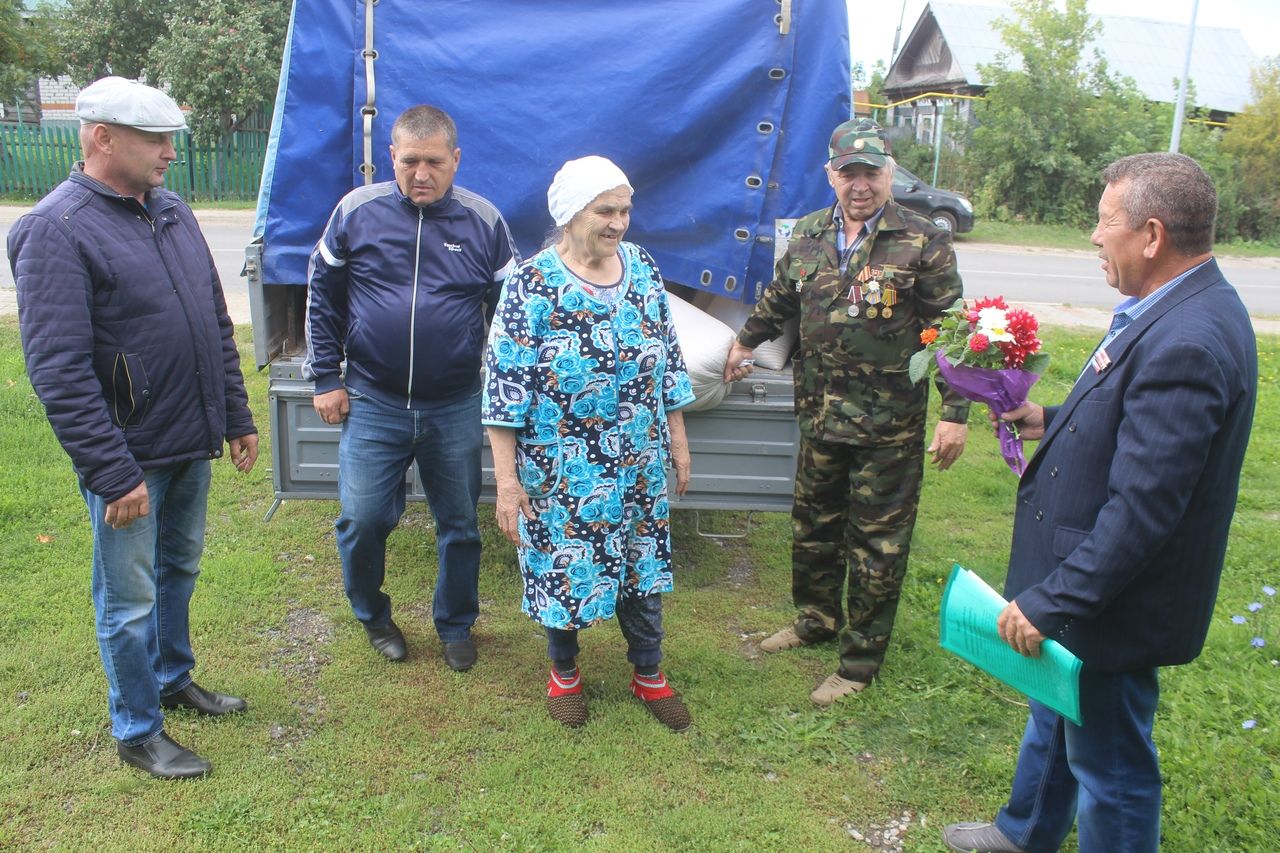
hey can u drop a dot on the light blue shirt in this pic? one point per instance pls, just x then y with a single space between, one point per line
1131 308
846 251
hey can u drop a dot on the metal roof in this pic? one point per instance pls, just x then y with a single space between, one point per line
1149 51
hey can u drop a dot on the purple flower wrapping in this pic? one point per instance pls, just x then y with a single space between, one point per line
1001 391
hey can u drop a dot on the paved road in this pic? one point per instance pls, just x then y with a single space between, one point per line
1074 278
1062 287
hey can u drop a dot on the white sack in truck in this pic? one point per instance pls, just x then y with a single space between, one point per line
771 355
704 342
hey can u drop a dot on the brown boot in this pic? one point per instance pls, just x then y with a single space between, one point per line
834 688
783 640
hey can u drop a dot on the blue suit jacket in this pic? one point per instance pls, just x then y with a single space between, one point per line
1123 512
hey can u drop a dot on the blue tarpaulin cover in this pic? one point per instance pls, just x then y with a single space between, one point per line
696 100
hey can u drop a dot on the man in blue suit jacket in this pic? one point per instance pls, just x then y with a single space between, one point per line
1122 515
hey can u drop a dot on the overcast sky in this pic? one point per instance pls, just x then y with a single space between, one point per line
872 22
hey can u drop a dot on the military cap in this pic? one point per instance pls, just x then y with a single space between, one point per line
858 140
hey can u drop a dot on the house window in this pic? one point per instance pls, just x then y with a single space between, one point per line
924 128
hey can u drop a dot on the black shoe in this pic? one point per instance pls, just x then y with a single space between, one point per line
388 641
164 758
460 656
204 701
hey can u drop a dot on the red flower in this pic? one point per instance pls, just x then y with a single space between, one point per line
1023 326
979 343
990 302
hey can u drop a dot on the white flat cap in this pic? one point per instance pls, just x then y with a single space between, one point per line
115 100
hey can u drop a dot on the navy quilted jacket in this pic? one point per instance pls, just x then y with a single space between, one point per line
126 333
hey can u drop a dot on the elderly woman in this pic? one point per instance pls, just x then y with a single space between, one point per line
584 380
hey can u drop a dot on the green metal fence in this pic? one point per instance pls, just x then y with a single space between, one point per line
34 160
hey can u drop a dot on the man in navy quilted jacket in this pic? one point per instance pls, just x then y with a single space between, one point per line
398 285
129 347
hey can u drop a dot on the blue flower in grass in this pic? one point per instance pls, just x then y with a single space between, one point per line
1248 724
1257 642
1239 620
1255 606
1269 590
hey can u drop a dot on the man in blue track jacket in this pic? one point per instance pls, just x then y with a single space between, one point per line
129 347
397 287
1122 517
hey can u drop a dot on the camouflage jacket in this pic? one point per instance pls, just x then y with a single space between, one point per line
851 366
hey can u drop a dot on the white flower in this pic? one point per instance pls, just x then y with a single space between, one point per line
991 322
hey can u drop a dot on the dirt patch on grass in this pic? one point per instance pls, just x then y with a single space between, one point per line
741 571
883 836
301 652
301 645
748 641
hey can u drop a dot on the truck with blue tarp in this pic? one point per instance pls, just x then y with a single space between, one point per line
719 111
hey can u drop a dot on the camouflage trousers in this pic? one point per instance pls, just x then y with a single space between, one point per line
854 510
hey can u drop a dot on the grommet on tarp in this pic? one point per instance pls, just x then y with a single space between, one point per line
765 127
742 234
730 284
705 278
754 182
777 73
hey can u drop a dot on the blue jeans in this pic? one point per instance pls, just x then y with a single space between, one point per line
378 445
641 622
143 576
1104 775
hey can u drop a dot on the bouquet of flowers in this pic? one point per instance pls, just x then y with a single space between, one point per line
989 353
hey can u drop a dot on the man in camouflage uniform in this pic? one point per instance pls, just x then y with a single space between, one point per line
865 276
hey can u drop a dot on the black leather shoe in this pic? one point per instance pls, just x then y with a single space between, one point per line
460 656
388 641
164 758
203 701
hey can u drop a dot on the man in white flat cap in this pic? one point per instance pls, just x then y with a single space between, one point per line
397 288
129 347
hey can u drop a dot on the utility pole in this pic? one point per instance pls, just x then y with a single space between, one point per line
897 34
1180 112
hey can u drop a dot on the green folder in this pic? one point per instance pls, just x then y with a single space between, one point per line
968 629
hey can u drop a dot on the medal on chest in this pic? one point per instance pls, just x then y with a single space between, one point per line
874 295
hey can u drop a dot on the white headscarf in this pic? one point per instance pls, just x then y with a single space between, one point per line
578 183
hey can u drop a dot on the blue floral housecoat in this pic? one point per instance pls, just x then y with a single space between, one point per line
587 385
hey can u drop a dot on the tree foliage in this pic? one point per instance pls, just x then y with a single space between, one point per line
1052 119
221 58
101 37
26 48
1254 143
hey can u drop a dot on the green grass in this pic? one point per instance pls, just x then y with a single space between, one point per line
1066 237
341 750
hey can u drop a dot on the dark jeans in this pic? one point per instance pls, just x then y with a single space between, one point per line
378 445
1104 775
641 622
